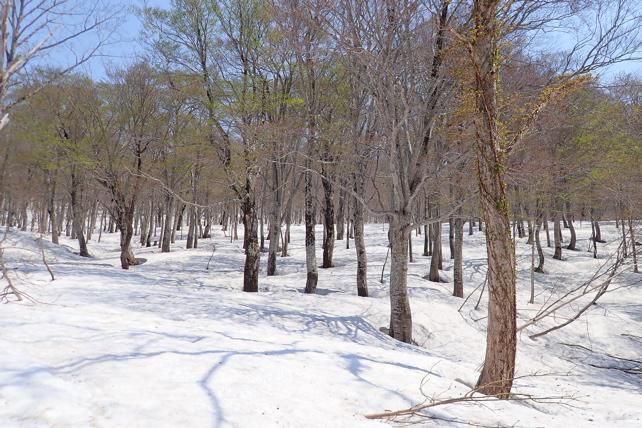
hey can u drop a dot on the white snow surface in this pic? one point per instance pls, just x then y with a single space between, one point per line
171 344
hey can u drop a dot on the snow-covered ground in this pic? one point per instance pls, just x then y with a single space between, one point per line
171 344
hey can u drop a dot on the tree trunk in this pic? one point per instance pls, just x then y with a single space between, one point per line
191 229
275 220
400 316
436 252
598 233
51 208
498 371
458 268
360 247
168 224
557 234
310 250
634 251
77 215
328 223
572 244
426 241
451 237
251 239
126 228
540 252
548 234
341 215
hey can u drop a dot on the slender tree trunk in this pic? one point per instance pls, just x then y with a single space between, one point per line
458 268
624 245
634 251
598 233
451 237
51 180
426 241
572 244
341 215
540 252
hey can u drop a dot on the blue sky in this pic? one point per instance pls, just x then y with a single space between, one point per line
126 43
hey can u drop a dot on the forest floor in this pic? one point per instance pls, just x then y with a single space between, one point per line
172 344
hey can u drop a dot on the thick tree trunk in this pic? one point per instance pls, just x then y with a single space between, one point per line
251 239
400 316
168 224
126 228
77 215
274 234
328 223
498 371
557 234
360 247
458 268
310 250
191 229
436 252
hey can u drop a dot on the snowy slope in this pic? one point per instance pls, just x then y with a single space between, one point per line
171 344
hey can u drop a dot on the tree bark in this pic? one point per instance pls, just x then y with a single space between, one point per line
310 250
251 240
328 223
77 214
557 234
458 268
400 316
360 247
498 371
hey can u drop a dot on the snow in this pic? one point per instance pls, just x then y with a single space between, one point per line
169 343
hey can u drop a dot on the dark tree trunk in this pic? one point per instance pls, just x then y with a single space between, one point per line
77 214
341 215
51 208
328 223
598 233
557 234
310 250
451 237
251 239
572 244
458 268
426 241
